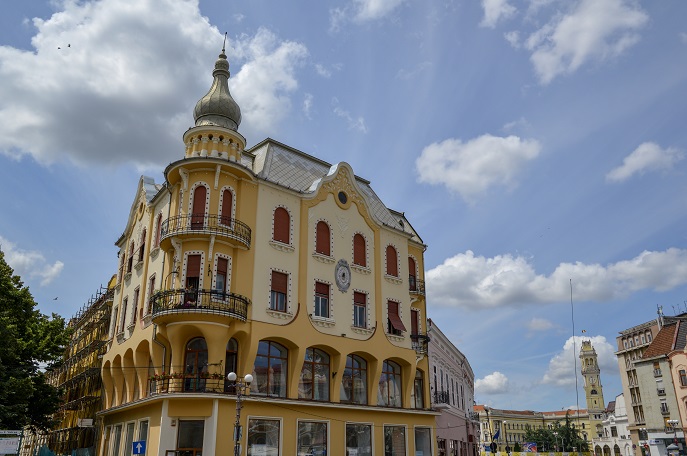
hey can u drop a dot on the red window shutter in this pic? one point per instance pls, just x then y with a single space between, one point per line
280 282
394 317
414 317
227 204
222 266
322 238
193 266
198 212
359 256
359 298
282 225
391 261
322 288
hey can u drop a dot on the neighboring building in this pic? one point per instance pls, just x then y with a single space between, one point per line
615 440
593 389
654 417
453 392
657 390
273 263
78 376
678 370
631 345
508 427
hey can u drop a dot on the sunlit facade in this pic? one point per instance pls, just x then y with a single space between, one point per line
270 262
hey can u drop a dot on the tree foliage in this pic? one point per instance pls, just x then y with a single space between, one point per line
566 437
29 340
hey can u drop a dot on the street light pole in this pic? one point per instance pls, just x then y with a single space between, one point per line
555 435
241 385
505 433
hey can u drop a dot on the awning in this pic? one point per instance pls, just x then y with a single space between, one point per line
396 322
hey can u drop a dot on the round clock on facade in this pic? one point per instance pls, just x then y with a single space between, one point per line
342 274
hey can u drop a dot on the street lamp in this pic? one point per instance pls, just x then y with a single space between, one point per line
241 385
555 435
673 449
505 434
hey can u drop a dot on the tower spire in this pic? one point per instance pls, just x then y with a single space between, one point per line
217 107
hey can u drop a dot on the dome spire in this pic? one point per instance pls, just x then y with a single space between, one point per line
217 107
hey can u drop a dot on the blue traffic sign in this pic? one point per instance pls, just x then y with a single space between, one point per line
139 447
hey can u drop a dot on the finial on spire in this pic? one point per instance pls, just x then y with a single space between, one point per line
224 45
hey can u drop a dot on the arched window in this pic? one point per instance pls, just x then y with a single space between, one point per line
158 228
389 391
354 381
230 363
282 226
195 363
391 261
359 253
142 248
314 381
198 208
412 282
419 390
270 369
322 239
227 206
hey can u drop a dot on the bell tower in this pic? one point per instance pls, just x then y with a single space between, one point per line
593 390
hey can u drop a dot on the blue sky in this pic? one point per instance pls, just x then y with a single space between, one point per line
531 143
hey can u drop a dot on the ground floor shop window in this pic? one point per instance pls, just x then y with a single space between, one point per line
423 442
190 438
128 442
116 439
312 438
358 440
263 437
394 441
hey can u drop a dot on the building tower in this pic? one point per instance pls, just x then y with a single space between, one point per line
593 390
272 266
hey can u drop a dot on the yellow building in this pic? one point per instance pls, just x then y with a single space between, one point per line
507 428
271 263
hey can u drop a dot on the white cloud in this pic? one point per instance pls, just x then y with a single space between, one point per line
115 91
474 282
647 157
593 30
307 104
494 383
539 324
513 38
470 168
562 368
496 10
30 264
414 71
360 11
354 123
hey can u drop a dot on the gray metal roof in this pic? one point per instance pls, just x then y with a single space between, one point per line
293 169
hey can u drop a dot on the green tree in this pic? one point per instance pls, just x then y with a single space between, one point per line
565 437
28 340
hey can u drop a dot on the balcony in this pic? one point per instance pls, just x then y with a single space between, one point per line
420 343
665 411
208 302
192 225
441 400
416 286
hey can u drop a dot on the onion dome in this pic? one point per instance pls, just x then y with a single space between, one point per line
217 107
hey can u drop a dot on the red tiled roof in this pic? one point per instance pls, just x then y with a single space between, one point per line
662 343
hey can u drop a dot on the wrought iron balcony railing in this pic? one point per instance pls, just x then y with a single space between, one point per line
420 343
416 286
442 397
199 301
210 224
